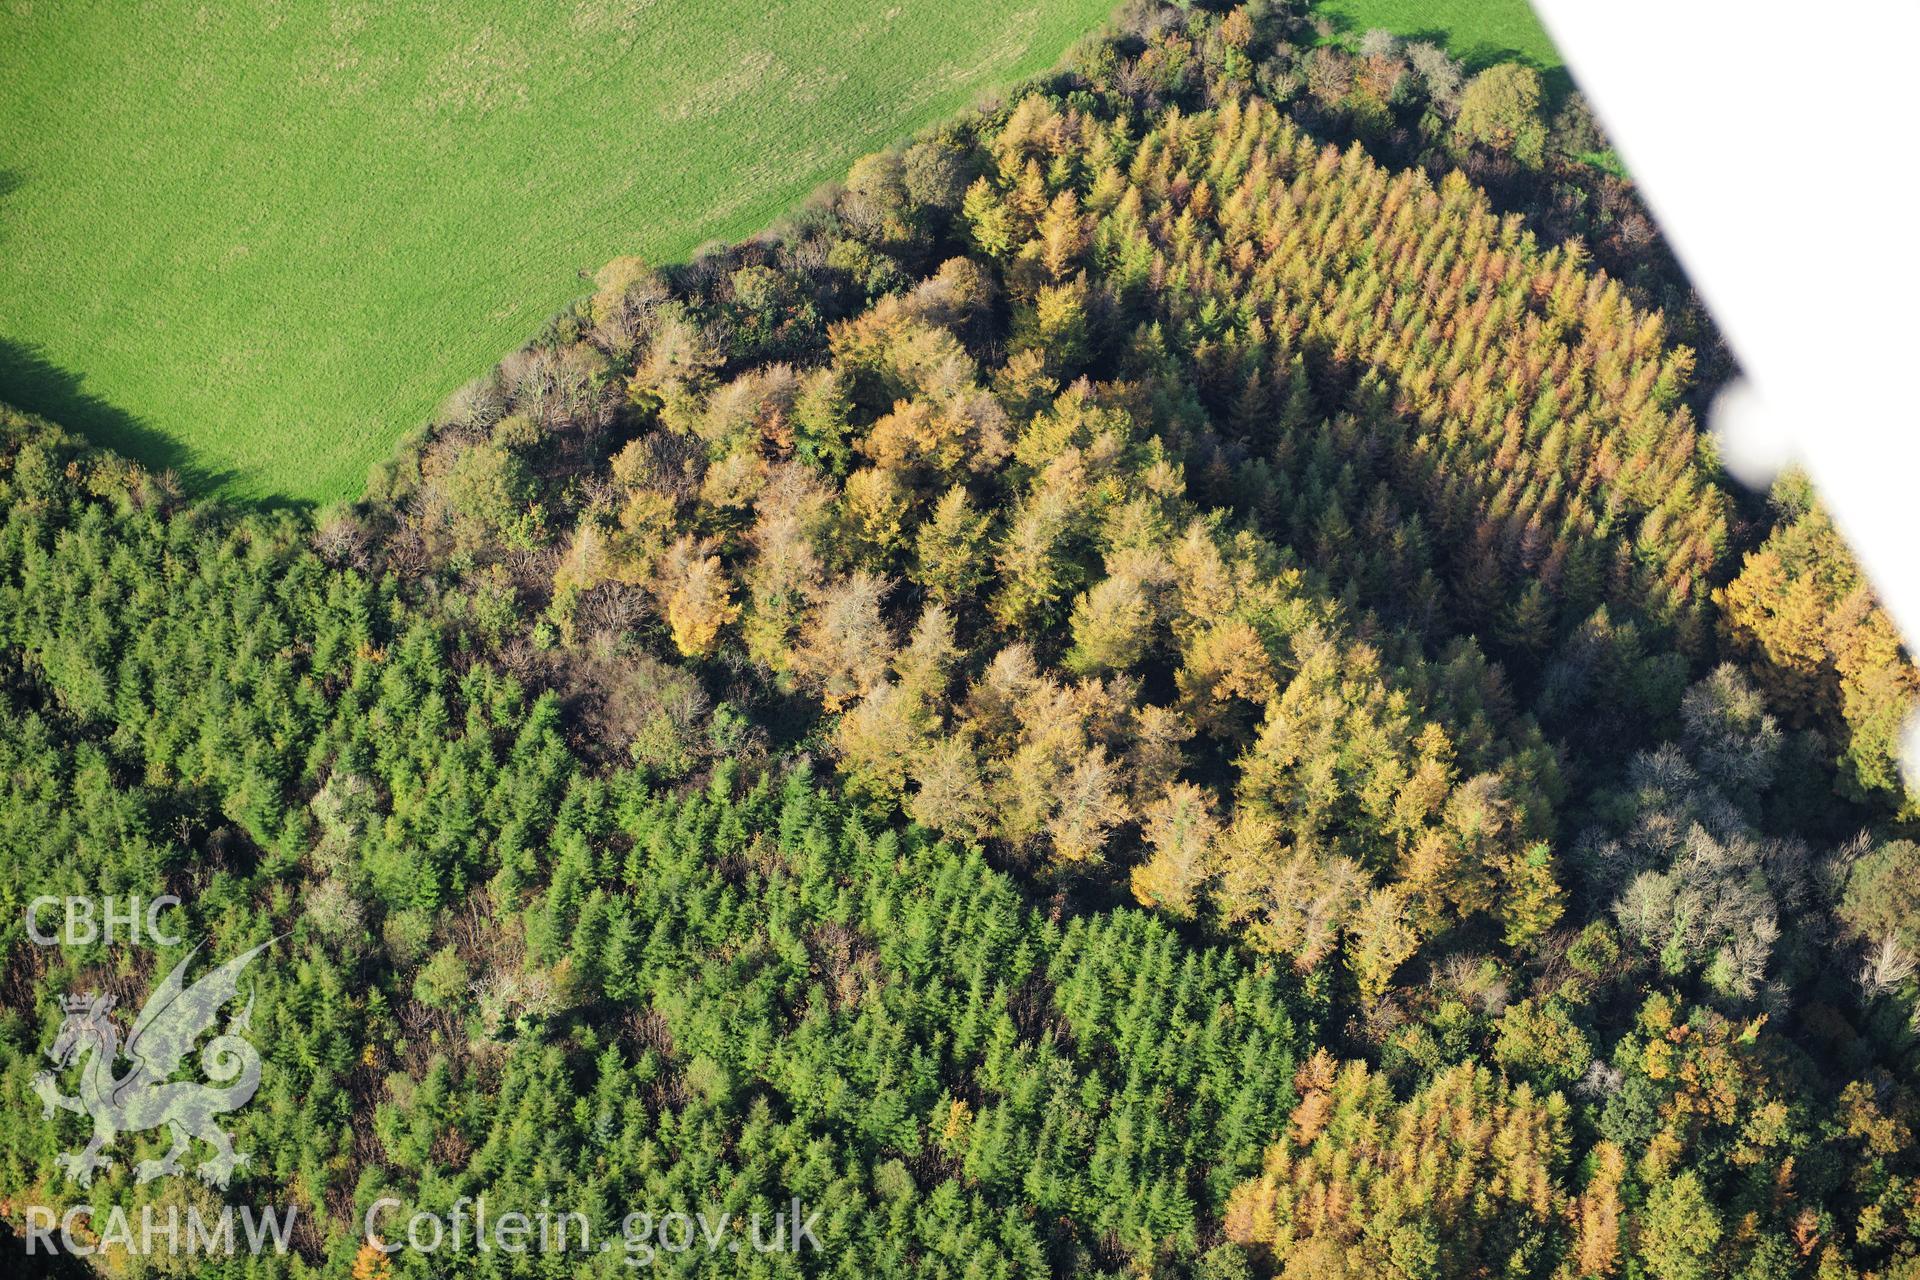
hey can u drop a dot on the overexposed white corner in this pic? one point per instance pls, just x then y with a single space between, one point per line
1774 145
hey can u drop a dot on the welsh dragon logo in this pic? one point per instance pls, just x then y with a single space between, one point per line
146 1097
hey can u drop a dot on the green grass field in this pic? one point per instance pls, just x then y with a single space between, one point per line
1476 31
259 240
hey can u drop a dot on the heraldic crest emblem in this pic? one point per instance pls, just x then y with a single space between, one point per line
146 1096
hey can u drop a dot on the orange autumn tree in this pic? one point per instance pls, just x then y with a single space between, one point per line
1806 622
371 1264
1467 1177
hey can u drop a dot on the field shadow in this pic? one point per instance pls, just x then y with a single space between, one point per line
34 384
10 182
1555 82
31 382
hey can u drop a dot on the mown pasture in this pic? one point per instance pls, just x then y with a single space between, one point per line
259 240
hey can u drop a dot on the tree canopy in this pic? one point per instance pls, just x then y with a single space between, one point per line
1159 684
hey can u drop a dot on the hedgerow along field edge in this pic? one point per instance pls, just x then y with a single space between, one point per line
259 242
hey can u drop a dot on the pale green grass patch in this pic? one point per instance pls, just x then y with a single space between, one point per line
261 239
